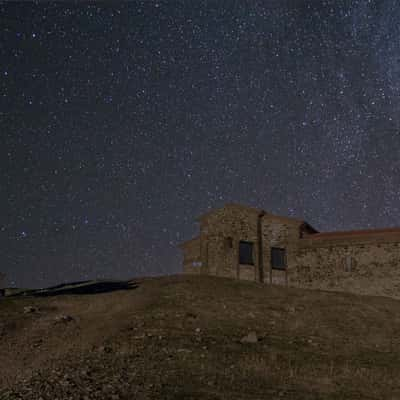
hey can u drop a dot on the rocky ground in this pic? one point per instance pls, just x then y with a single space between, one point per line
200 338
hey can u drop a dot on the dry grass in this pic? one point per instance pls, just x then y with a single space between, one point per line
179 338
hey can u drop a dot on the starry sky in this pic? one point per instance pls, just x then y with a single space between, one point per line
122 122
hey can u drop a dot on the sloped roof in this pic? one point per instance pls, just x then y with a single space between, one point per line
258 211
361 232
285 219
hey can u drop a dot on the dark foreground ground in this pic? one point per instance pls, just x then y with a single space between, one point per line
180 338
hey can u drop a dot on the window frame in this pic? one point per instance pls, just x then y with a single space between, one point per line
251 245
282 251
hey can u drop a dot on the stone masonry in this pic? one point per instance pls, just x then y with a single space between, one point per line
248 243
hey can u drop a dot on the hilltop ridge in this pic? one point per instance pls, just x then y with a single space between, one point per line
199 337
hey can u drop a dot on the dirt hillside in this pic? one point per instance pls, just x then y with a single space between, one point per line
200 338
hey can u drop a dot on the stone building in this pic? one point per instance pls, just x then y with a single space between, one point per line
248 243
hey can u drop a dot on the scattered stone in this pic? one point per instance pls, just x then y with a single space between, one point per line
198 330
37 343
190 315
30 309
138 337
250 338
105 349
63 318
292 309
184 351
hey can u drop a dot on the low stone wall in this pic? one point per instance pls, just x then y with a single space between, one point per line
191 257
248 272
191 269
347 265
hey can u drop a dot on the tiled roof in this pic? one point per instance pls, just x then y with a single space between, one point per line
363 232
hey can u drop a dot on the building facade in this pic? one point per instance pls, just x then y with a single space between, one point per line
248 243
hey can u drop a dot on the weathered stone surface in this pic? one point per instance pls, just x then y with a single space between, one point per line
251 337
343 261
30 310
63 318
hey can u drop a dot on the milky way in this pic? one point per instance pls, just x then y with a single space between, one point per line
121 123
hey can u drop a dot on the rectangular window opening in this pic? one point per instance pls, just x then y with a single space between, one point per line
246 253
348 264
278 258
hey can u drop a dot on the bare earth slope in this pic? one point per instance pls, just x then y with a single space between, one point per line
180 338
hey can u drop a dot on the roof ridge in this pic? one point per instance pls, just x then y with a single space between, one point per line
354 232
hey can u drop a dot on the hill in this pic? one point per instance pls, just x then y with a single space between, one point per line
187 337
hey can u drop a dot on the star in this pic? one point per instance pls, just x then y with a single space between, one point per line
122 123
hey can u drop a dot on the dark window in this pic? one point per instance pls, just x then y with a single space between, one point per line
278 258
348 263
246 253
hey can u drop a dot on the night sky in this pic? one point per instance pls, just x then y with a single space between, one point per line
121 123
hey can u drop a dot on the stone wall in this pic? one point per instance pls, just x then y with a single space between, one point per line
282 233
366 263
352 263
221 232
